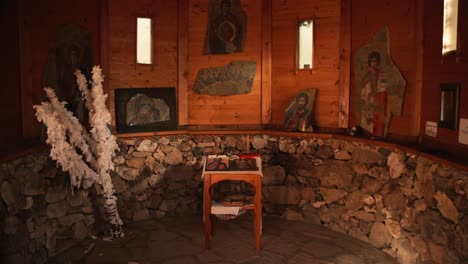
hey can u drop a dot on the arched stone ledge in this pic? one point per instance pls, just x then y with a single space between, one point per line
279 133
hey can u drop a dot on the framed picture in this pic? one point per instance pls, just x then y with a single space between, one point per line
298 115
448 114
217 163
145 109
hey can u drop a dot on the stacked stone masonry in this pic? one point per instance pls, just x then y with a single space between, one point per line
408 206
40 215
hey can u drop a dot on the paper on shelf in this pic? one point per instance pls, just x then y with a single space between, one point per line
217 208
463 131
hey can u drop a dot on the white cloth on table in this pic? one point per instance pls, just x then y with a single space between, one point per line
258 161
217 208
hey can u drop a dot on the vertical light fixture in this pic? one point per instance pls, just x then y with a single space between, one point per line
305 52
449 37
144 40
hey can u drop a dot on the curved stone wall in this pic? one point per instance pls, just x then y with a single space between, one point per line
406 205
40 215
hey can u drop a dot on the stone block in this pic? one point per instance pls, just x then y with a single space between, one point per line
139 186
357 233
404 251
334 174
69 220
147 146
33 184
282 194
168 205
446 207
57 209
174 157
80 231
137 163
332 195
354 201
395 200
342 155
396 163
259 142
367 156
179 173
332 213
273 175
308 194
379 235
56 194
292 215
141 214
11 197
129 174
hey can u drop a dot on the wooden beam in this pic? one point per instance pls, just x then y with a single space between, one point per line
345 63
27 113
182 61
104 39
419 48
266 62
104 57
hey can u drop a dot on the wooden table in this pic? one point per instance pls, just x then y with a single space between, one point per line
252 177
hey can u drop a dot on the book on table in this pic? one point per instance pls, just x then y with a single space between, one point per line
224 163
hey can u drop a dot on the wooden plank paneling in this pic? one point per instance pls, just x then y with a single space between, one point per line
38 21
124 71
367 18
325 74
182 59
104 47
30 127
205 109
345 63
11 132
266 62
439 69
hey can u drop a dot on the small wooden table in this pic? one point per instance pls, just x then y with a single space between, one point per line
253 177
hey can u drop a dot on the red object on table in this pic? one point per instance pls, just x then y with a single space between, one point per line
248 156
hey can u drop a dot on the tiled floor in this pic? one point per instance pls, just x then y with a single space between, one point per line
181 240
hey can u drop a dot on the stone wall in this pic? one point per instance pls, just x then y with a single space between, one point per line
408 206
40 215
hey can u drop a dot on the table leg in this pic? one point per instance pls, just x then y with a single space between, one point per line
207 209
258 212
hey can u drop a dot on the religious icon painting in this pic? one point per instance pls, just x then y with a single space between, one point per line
298 115
217 163
226 27
145 109
380 86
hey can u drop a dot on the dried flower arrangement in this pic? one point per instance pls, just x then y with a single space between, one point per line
87 156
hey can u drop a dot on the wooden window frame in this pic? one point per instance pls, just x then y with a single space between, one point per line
151 64
296 57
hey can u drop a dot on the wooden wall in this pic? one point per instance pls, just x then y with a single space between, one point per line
200 109
403 19
235 109
180 28
119 45
285 81
246 109
439 69
38 20
9 74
